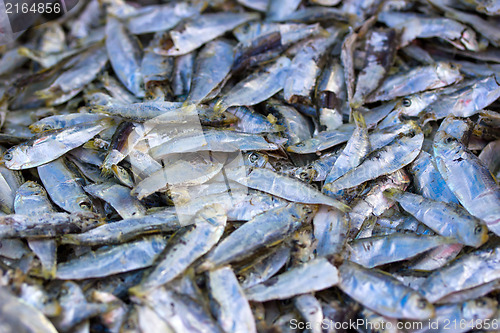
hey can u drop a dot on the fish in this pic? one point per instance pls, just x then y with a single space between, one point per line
35 152
445 219
391 298
319 271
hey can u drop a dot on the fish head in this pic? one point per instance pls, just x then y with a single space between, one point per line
448 72
480 308
411 105
459 128
469 40
477 237
30 188
302 147
417 307
40 127
305 174
15 158
306 212
81 203
257 159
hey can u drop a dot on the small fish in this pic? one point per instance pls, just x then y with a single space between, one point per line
356 149
385 160
284 187
258 87
51 144
376 251
46 225
468 271
212 66
320 273
468 313
242 242
323 140
458 167
263 268
232 309
64 184
464 102
113 260
125 56
124 230
383 293
416 80
119 197
187 245
202 29
446 219
161 17
380 49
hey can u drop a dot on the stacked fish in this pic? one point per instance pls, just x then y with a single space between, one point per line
244 166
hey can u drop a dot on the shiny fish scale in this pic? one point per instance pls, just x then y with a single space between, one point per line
204 166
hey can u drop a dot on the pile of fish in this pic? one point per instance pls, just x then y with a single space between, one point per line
244 166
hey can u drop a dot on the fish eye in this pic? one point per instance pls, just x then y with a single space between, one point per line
449 139
47 127
253 157
85 205
7 156
300 144
480 302
307 209
406 102
304 175
452 65
422 303
478 229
